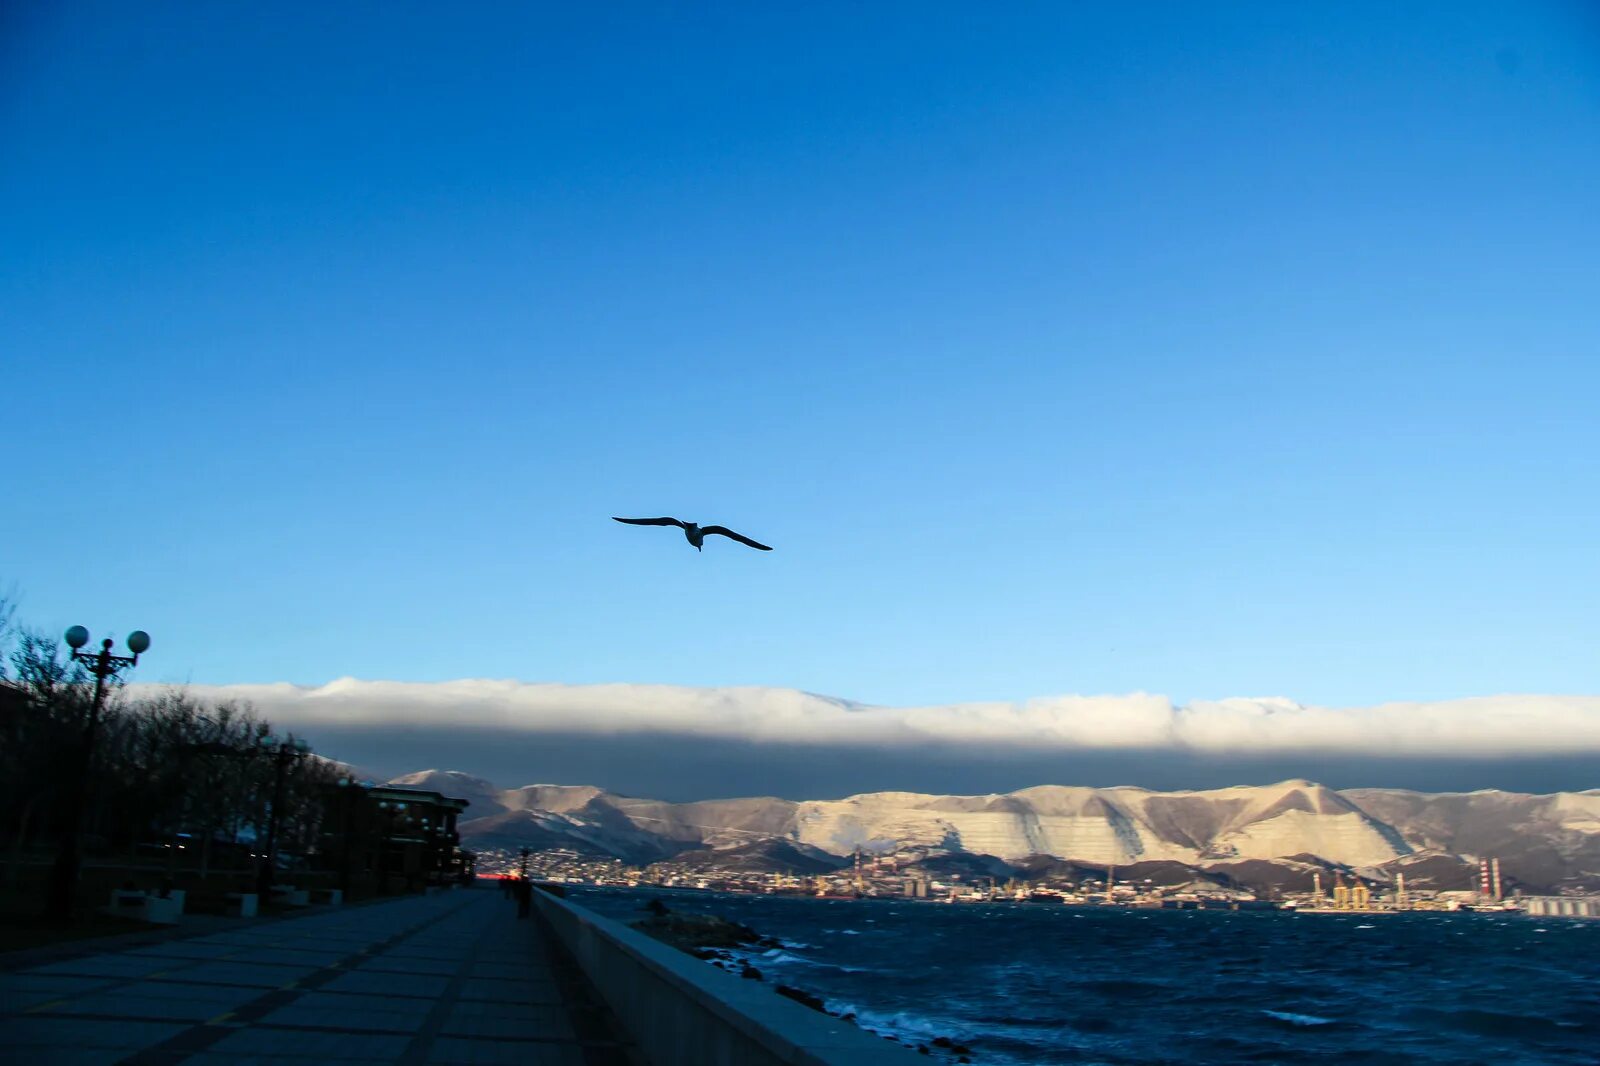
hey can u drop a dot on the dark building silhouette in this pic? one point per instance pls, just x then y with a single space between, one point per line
385 839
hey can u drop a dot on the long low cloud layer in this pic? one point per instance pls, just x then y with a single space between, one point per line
1487 726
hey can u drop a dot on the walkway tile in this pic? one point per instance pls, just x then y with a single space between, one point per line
496 990
510 971
504 1020
244 973
430 986
320 1047
449 1052
125 965
350 1012
126 1005
37 1031
385 964
451 953
219 997
20 992
186 949
452 978
298 957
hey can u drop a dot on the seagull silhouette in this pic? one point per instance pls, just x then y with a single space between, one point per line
697 534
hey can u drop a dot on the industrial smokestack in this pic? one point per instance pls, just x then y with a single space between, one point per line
1494 866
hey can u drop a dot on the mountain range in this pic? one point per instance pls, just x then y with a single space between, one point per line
1273 834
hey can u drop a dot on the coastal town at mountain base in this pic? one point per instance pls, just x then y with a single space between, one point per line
1294 845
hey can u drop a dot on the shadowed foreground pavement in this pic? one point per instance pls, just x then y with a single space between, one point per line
449 978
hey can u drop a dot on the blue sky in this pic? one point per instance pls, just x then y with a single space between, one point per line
1063 348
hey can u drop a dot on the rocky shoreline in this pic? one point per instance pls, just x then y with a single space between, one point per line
728 946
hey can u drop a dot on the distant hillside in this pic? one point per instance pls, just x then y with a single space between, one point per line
1277 834
763 856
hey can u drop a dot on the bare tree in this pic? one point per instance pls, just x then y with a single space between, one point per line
45 706
170 770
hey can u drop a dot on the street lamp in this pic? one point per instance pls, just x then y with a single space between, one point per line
283 753
103 665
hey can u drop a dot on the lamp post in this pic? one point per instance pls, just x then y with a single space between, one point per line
103 665
282 753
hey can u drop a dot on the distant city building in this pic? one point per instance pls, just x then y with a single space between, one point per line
1562 906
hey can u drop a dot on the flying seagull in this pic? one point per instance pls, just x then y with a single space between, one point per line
696 534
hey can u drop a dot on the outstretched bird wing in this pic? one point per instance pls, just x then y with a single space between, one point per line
649 521
726 532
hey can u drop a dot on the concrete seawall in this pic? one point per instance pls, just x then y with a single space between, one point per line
682 1012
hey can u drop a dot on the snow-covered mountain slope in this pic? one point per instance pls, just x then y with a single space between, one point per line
483 797
1113 825
1549 839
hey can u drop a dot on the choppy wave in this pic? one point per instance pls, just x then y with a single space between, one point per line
779 957
1032 985
1297 1019
913 1027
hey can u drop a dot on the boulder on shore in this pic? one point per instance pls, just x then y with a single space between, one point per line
690 931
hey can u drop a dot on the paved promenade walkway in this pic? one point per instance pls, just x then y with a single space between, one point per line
449 978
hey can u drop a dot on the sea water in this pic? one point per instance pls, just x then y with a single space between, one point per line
1039 983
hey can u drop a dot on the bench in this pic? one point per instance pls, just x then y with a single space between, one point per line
290 896
240 904
144 907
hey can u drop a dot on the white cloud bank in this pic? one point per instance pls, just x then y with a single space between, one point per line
1476 727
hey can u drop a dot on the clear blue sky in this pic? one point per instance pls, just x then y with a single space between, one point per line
1057 349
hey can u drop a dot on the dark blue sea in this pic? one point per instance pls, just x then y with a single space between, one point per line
1035 983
